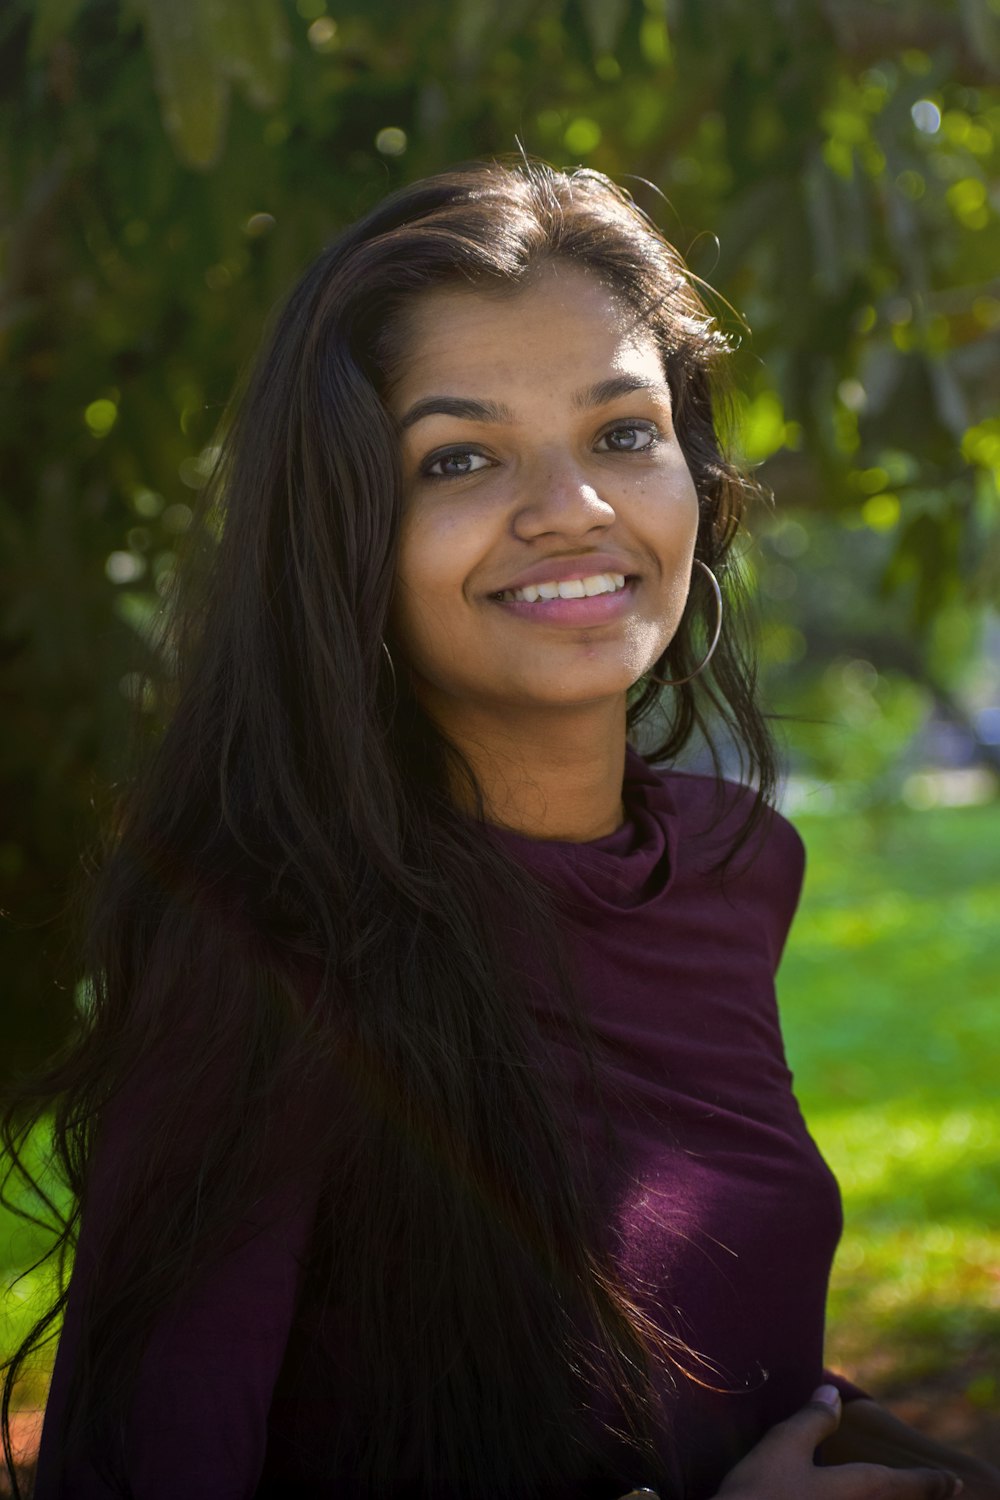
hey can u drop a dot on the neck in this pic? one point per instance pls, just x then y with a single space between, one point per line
556 775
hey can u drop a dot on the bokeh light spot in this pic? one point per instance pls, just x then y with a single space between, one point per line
582 136
322 34
124 567
177 517
100 416
926 116
146 503
881 512
391 141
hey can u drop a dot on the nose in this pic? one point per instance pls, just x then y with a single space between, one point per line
558 499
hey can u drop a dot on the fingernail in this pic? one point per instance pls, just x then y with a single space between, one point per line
828 1395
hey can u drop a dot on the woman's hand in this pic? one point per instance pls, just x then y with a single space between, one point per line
870 1434
781 1466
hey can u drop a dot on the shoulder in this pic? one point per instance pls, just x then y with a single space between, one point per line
762 869
702 802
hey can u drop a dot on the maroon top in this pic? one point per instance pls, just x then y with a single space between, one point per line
724 1219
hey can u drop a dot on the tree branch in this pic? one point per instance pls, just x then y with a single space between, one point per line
870 34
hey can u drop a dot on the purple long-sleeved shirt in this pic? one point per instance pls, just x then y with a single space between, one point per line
724 1217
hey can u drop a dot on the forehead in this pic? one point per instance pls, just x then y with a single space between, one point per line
562 328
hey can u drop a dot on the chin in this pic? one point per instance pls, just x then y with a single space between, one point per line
580 691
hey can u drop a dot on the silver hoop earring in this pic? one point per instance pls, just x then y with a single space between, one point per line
679 681
392 668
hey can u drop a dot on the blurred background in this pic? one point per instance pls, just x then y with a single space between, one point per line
831 168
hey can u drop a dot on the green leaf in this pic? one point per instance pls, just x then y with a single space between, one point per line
251 45
949 398
603 20
194 93
981 24
53 18
821 206
475 26
654 41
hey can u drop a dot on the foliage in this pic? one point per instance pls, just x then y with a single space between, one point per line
26 1279
855 681
168 168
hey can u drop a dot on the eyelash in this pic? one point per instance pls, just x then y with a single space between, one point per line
442 454
427 467
649 428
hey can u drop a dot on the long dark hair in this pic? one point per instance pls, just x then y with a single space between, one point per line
296 971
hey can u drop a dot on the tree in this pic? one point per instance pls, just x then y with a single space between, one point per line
168 168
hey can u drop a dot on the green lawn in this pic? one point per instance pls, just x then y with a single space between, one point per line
890 993
20 1246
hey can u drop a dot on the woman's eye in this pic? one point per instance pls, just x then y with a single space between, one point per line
628 437
453 465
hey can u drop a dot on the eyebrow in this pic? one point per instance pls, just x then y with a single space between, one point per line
619 385
472 410
456 406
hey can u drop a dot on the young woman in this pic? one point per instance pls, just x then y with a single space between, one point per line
429 1128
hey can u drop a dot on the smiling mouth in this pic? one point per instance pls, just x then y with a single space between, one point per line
572 588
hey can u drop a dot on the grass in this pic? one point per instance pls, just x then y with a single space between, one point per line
890 993
21 1245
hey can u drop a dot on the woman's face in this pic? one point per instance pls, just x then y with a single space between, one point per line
550 516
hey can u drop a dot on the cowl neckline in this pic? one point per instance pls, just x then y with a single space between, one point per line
628 868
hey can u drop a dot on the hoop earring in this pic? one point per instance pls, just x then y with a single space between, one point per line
392 669
679 681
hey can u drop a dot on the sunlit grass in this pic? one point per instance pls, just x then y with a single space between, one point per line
23 1299
890 994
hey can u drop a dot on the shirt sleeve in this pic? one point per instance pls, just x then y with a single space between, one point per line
198 1421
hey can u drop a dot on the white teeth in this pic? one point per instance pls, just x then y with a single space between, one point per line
599 584
573 588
